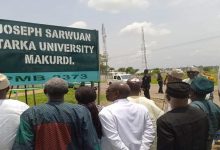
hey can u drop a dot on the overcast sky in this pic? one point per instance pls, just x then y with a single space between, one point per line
177 32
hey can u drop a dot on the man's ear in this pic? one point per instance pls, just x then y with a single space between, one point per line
7 89
45 91
67 91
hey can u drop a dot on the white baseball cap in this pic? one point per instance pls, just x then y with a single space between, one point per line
4 83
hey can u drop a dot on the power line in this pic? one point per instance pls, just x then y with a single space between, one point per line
173 46
187 43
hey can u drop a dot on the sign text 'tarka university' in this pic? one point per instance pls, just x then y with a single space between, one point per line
33 53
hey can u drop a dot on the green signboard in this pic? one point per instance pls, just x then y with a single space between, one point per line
33 53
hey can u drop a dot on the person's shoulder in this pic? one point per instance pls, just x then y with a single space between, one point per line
197 105
111 109
145 101
140 107
196 111
164 119
15 104
140 100
169 115
108 108
76 107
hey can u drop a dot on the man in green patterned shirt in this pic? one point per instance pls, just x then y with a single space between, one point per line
56 125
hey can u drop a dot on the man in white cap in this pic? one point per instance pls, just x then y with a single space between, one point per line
176 75
192 72
10 111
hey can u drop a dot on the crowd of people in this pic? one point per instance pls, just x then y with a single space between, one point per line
131 122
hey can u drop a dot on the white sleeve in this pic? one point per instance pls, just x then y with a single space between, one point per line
149 133
110 130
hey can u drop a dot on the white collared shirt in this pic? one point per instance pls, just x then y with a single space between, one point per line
126 126
10 111
154 111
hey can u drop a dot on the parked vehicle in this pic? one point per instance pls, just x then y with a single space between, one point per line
75 85
119 77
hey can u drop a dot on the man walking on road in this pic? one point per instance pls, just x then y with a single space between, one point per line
146 83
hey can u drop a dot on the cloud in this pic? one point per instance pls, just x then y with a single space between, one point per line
148 27
175 2
115 6
151 43
79 24
168 58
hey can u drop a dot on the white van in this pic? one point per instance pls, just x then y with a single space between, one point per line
119 78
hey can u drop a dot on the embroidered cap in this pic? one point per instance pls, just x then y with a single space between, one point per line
178 89
4 83
176 73
192 69
202 85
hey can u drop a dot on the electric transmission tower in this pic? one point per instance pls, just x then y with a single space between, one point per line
143 48
105 53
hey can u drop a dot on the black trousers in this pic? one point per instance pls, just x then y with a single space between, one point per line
147 93
160 87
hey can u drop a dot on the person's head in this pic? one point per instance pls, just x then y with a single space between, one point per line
176 75
135 86
192 72
4 86
55 89
200 86
85 95
117 90
177 94
145 71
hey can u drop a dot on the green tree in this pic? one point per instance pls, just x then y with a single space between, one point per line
131 70
122 70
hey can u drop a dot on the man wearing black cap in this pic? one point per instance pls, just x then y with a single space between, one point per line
184 127
201 86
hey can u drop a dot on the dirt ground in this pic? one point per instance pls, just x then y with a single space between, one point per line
159 98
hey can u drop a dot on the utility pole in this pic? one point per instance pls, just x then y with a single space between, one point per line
105 53
143 48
